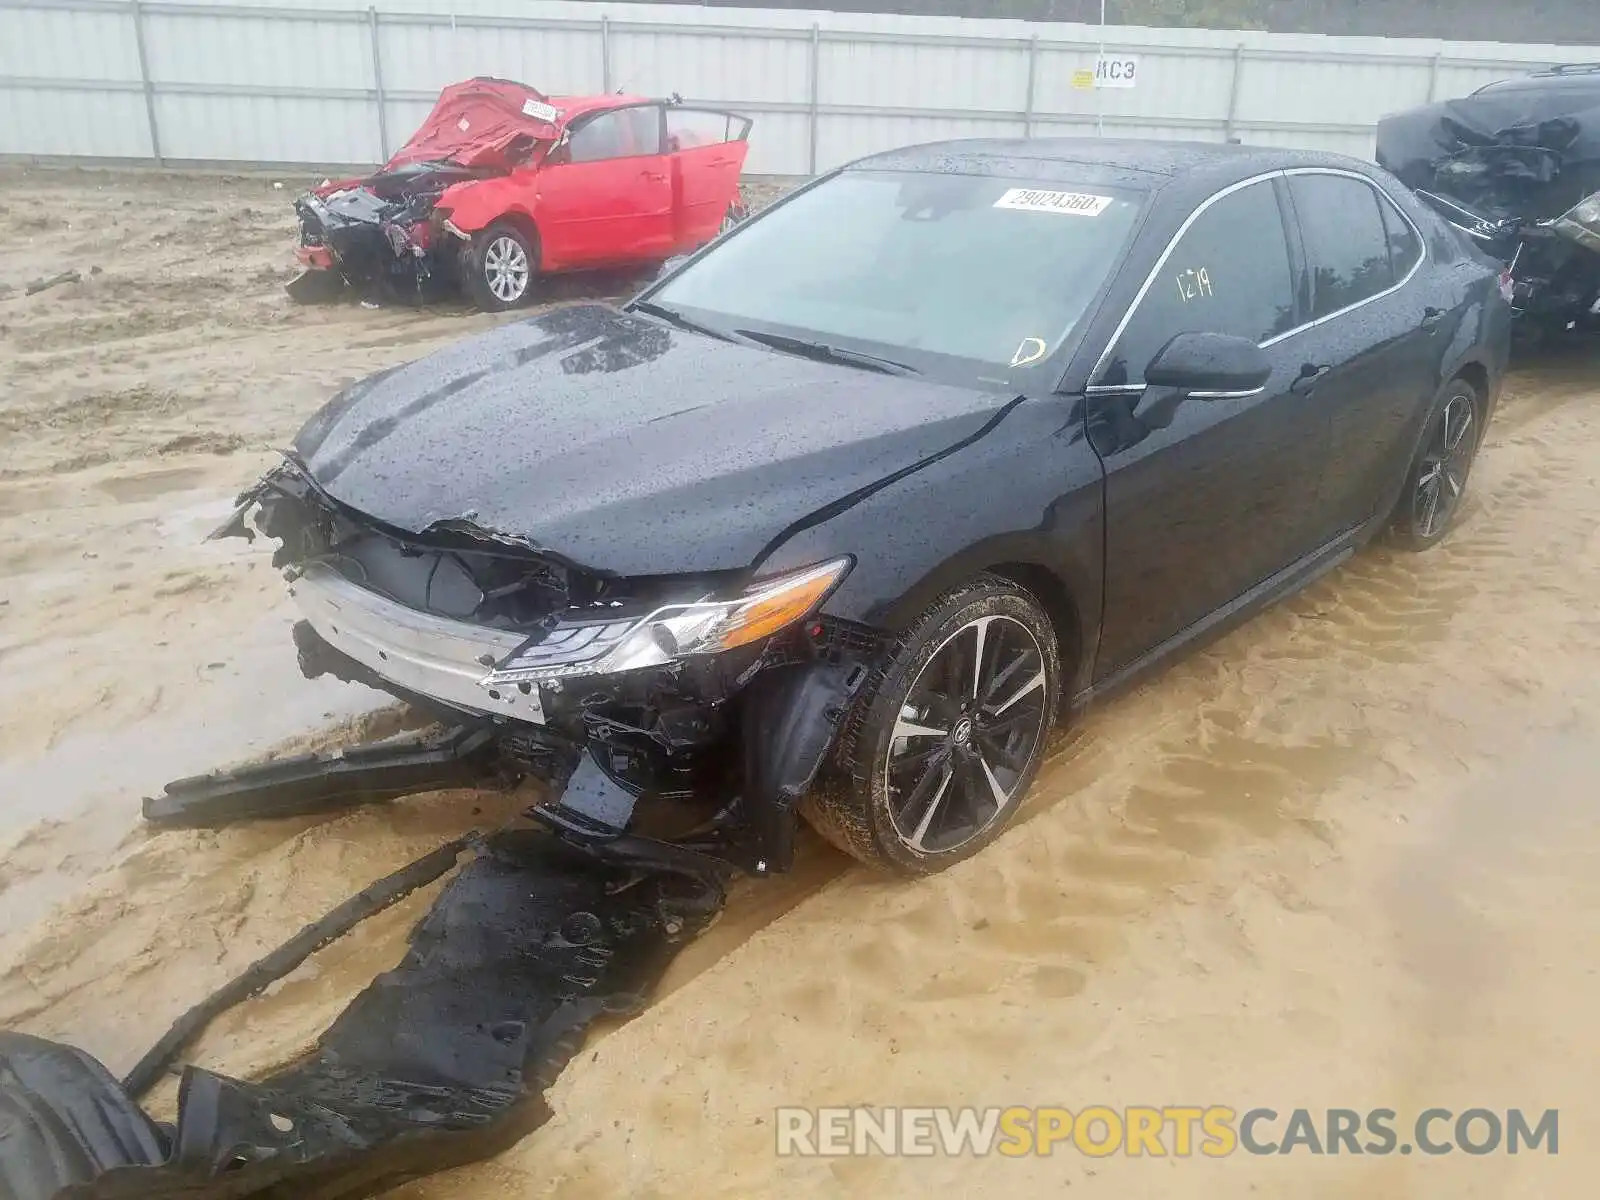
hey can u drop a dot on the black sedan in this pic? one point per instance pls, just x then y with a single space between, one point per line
842 513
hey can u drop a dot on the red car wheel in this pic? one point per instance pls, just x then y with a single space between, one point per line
500 267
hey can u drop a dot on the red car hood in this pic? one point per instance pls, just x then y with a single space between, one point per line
473 123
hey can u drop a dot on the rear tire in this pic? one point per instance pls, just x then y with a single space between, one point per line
942 743
500 266
1437 481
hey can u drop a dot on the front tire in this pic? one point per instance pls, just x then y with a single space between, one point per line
947 735
1437 481
500 266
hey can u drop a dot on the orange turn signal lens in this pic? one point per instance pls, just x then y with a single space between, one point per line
775 604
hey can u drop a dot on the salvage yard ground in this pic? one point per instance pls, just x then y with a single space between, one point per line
1348 857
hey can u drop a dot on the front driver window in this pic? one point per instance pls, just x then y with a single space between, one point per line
1229 273
622 133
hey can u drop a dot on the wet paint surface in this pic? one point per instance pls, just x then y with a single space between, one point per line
621 444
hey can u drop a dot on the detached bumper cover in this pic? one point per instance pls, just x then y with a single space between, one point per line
440 1062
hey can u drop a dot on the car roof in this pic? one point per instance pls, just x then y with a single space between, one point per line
1139 164
577 106
1577 77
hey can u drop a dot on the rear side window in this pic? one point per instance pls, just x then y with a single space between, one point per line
690 127
1229 273
1405 247
1347 244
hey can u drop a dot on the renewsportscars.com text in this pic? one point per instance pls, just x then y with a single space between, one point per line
1175 1131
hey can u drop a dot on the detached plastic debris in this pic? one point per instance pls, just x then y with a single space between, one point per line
440 1062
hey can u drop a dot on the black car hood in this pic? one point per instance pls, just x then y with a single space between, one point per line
622 445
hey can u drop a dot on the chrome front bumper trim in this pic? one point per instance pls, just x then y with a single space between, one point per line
433 656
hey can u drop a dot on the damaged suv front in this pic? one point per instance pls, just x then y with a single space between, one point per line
1516 168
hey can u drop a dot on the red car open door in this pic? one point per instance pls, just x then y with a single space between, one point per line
608 196
708 150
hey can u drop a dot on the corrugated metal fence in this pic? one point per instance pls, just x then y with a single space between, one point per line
315 84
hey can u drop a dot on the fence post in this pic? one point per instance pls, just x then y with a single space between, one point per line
1233 93
377 83
146 83
816 72
605 53
1033 71
1433 77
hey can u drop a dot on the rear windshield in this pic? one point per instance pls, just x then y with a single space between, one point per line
971 276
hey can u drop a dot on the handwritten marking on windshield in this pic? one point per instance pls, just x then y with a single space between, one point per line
1031 350
1194 283
1074 204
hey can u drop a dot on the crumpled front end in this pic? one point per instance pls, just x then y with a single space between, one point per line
352 237
643 684
382 235
379 236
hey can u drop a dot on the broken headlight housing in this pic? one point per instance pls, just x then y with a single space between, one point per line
670 633
1581 223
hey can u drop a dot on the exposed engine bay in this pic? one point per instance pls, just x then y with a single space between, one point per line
378 235
1516 167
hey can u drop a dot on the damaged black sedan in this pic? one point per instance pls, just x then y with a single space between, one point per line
844 511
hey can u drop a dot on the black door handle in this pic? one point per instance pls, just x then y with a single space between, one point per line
1310 375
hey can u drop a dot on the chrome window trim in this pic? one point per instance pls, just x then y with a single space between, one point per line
1241 395
1150 280
1422 243
1172 245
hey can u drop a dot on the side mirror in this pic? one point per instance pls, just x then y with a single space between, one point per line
1209 366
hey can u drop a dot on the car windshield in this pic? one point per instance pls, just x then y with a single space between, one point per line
978 277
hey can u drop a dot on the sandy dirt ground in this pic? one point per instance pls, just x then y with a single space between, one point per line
1348 857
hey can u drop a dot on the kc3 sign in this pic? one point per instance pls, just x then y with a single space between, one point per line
1116 71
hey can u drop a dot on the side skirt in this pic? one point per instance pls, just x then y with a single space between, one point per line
1293 578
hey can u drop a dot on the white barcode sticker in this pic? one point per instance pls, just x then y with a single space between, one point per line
1076 204
540 112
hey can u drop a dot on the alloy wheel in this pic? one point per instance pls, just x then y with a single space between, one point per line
505 269
1443 474
969 728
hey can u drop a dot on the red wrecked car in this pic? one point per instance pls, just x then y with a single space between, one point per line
503 184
